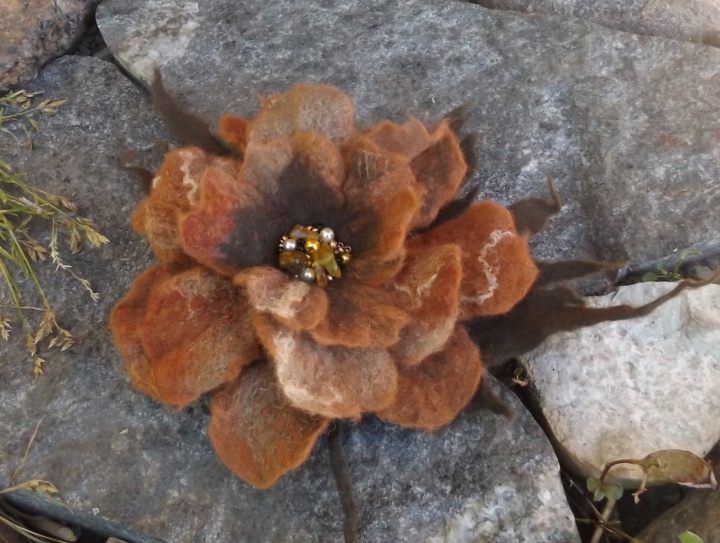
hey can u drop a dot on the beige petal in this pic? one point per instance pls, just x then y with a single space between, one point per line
256 432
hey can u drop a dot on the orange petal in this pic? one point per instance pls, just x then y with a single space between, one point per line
234 131
439 169
332 381
221 231
498 270
432 393
293 303
197 335
321 109
428 288
409 139
359 316
126 321
174 192
256 432
381 255
373 173
294 169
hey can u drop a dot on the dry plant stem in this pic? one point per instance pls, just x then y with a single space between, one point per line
343 483
27 452
641 488
609 506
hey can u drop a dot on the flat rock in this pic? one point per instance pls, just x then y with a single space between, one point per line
35 32
117 453
625 124
697 512
688 20
628 388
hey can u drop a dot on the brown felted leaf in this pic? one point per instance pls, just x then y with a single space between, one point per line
234 131
174 192
428 288
321 109
294 304
332 381
497 268
197 335
546 311
531 214
359 316
183 125
385 236
439 169
126 321
432 393
256 432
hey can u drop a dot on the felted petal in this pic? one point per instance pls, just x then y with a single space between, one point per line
332 381
174 192
126 321
382 253
359 316
209 233
293 303
373 173
238 222
428 288
321 109
440 169
256 432
234 131
197 335
498 270
432 393
295 169
408 139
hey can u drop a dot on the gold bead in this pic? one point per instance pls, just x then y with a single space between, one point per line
345 258
293 261
312 245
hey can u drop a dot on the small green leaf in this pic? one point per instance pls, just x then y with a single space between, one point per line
650 277
688 537
603 490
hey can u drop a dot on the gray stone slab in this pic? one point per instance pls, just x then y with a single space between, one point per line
626 124
35 32
697 512
626 389
115 452
687 20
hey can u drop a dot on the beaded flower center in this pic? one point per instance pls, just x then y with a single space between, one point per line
312 254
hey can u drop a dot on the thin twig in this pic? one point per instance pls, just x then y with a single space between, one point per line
343 483
600 528
27 452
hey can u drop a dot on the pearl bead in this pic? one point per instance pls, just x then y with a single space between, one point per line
307 275
326 235
289 244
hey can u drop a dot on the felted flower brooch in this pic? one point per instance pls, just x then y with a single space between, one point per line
312 277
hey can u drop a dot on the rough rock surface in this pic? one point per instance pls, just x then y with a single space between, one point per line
108 447
626 124
36 31
629 388
698 512
688 20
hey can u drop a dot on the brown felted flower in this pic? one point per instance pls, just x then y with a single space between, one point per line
361 313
